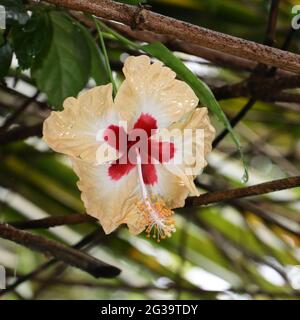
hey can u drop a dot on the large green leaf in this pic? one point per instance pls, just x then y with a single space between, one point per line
65 69
31 41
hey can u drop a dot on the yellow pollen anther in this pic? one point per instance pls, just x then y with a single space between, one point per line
157 218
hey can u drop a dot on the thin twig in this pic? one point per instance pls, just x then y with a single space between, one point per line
267 89
258 189
51 222
234 121
86 244
272 21
10 120
261 69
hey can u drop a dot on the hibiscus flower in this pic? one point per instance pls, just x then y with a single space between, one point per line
124 184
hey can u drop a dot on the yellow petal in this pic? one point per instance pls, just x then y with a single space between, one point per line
191 149
74 130
111 202
198 119
170 187
153 89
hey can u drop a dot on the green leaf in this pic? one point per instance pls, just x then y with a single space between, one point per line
5 59
66 67
31 41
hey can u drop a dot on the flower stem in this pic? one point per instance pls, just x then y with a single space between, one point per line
119 36
103 47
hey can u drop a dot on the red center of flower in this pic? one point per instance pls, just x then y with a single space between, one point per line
151 151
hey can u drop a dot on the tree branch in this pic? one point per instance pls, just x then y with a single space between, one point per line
261 69
10 120
145 19
204 199
51 222
218 58
272 21
261 88
79 245
62 252
258 189
21 133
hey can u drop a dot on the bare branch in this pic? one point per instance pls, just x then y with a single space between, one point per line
55 249
21 133
255 190
272 21
10 120
51 222
160 24
29 276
